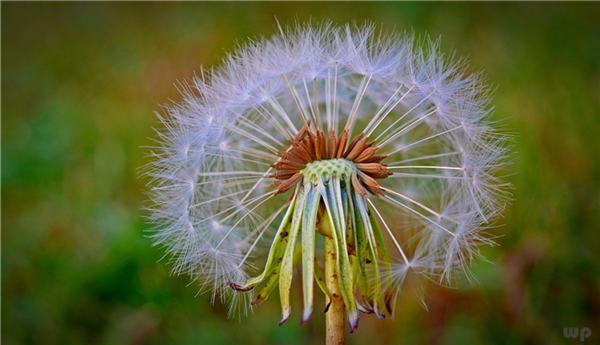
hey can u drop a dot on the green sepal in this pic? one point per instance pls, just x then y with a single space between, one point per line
275 253
309 221
287 264
373 253
333 202
361 250
350 228
268 288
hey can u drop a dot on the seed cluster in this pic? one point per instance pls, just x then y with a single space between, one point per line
309 146
325 169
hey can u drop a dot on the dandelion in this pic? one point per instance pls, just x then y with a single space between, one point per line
359 157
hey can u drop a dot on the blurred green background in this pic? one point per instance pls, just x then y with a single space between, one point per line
80 83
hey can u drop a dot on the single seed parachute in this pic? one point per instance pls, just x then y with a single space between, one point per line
375 142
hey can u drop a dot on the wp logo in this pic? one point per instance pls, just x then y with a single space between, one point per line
573 332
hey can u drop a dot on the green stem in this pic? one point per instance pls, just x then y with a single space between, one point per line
335 320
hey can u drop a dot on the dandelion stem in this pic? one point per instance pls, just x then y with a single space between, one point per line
335 315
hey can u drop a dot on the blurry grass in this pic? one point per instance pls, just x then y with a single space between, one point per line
80 82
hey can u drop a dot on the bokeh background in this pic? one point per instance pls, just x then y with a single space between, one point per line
80 83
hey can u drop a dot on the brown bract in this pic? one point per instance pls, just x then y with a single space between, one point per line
309 146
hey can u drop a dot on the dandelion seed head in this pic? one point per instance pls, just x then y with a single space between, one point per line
378 132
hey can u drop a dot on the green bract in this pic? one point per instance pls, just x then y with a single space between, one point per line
327 203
